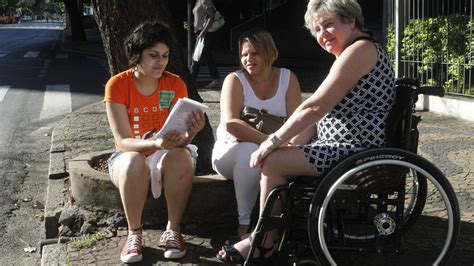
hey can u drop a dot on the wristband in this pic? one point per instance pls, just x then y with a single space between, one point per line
274 140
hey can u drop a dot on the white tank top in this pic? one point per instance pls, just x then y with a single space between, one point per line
275 105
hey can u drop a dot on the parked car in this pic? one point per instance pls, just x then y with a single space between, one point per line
8 19
26 18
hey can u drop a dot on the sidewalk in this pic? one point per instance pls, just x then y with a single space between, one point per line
446 141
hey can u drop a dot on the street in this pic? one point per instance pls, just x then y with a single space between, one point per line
39 84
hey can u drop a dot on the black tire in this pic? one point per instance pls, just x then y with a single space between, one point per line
349 212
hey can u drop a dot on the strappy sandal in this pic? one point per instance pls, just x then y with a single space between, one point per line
232 255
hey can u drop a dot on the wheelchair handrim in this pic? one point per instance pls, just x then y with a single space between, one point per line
349 173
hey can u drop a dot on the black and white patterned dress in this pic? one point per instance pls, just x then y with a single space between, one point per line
357 122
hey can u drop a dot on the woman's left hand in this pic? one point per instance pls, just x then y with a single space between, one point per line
195 122
258 156
171 140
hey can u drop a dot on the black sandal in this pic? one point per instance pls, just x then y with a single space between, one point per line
232 255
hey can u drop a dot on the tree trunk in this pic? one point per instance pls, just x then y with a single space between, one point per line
116 19
75 16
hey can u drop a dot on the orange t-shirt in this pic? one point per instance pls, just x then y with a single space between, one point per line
145 113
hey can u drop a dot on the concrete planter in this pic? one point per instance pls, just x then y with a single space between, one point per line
89 186
210 197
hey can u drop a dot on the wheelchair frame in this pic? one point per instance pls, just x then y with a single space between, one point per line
315 211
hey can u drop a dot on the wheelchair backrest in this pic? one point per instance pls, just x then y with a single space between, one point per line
401 126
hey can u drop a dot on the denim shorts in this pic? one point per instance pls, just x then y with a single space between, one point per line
111 161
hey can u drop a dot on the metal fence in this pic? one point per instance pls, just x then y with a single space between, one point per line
434 41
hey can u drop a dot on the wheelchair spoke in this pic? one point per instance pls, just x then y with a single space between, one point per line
395 211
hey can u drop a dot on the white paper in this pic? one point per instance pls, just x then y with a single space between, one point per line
178 116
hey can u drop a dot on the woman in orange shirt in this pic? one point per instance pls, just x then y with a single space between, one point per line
138 101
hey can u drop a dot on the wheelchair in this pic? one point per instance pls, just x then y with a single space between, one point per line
381 206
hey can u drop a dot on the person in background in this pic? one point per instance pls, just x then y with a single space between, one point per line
349 108
259 85
138 101
203 12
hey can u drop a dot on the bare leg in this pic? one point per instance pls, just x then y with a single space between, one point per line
132 177
277 168
281 165
178 173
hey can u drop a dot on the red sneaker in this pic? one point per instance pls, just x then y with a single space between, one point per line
132 249
174 244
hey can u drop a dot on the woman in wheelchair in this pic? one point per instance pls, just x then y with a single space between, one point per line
346 113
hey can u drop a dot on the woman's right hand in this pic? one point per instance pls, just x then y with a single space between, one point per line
258 156
171 140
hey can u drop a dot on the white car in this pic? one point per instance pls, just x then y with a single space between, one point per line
25 18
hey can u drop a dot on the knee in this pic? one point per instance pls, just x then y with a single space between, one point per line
246 148
242 152
271 165
130 168
133 165
178 161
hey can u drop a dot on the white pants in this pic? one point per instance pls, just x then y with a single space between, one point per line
232 160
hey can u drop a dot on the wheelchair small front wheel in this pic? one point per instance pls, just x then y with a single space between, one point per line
364 204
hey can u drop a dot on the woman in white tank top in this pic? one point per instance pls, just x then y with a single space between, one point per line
259 85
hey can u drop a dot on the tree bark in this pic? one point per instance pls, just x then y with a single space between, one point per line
115 20
75 16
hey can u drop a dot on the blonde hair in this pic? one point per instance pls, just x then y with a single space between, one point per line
346 10
263 43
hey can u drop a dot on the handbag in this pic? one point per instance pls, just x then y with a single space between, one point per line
198 49
261 120
218 22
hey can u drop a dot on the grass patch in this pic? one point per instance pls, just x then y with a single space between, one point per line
87 241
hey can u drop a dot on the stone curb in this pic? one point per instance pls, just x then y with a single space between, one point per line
56 173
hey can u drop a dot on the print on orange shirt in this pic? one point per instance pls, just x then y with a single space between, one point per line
166 97
150 117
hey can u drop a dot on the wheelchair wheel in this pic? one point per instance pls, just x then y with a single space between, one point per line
391 204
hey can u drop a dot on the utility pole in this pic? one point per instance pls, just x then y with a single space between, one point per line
190 33
399 25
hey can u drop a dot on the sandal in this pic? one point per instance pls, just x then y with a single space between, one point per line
232 255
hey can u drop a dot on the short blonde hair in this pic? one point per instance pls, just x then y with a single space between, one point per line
346 10
263 43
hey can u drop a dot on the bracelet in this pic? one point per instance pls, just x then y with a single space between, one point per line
274 140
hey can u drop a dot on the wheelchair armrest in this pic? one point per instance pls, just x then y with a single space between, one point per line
408 81
431 90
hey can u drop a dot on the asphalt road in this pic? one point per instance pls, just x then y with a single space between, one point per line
39 84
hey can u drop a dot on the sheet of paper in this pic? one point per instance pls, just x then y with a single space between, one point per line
178 116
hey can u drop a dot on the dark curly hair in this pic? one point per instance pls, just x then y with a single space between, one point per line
144 36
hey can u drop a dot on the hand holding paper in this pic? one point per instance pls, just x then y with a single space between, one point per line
195 122
171 140
182 119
